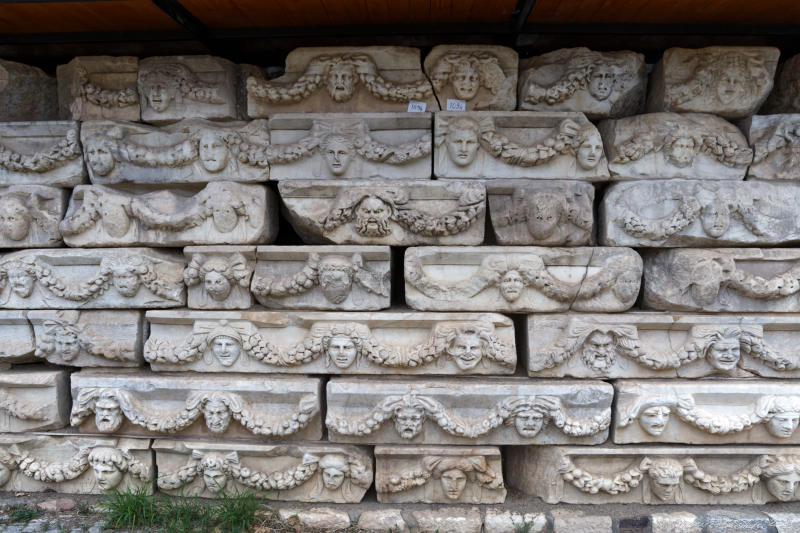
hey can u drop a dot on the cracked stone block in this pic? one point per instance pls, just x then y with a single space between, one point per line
318 518
775 140
33 398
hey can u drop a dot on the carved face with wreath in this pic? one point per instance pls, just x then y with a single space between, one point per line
409 417
601 81
109 467
218 274
160 86
372 217
466 349
341 349
782 415
21 277
599 351
462 141
453 473
334 469
217 415
652 414
212 151
15 219
335 277
465 79
511 285
782 473
715 217
680 149
224 213
341 80
99 153
213 467
107 414
722 350
529 421
665 478
338 152
226 345
66 341
544 212
126 275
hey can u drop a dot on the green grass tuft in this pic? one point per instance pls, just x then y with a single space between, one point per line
23 513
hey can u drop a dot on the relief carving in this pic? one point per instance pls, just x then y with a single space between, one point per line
785 97
20 408
45 153
63 339
29 216
218 279
485 77
99 87
46 159
94 94
33 398
776 144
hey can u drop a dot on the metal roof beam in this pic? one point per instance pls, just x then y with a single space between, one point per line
174 10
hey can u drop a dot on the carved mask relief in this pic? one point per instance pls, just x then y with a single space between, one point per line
466 349
223 214
528 423
372 217
601 82
723 354
653 420
127 282
20 281
465 80
627 286
335 278
408 422
217 285
784 486
599 351
544 213
341 81
338 152
453 483
67 344
590 152
341 349
511 285
15 220
100 157
107 415
731 85
214 480
681 152
217 416
783 424
213 152
462 141
665 486
226 349
334 470
108 476
716 218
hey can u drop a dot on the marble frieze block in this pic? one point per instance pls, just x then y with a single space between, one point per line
342 79
73 464
707 475
29 216
785 96
357 145
136 402
99 87
521 279
776 142
91 279
540 212
729 81
41 153
389 212
218 277
308 342
599 84
467 411
303 472
218 213
517 144
26 93
33 398
439 474
17 343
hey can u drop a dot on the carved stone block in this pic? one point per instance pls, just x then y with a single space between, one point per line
599 84
29 216
439 474
26 93
672 145
219 213
729 81
723 279
89 338
350 278
303 472
718 475
543 213
98 88
464 411
521 279
331 343
16 338
483 76
33 398
91 279
189 151
707 411
75 465
389 212
176 87
517 144
135 402
665 214
776 142
358 145
218 277
785 95
41 153
342 79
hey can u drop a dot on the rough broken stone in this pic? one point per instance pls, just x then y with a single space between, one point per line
41 153
517 144
439 474
176 87
383 521
29 216
17 343
729 81
599 84
673 145
462 411
776 141
74 464
218 277
309 472
565 521
784 522
542 213
26 93
57 505
678 522
91 279
189 151
342 79
33 398
497 521
343 146
317 518
135 402
219 213
389 212
785 96
737 520
99 88
448 520
307 342
483 76
348 278
521 279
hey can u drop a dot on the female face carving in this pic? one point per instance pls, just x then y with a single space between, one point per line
783 486
338 155
528 423
213 152
217 416
466 350
511 285
108 476
654 420
783 425
723 354
214 480
21 282
601 83
453 483
465 80
100 158
224 216
159 95
15 221
462 146
715 218
590 152
226 350
217 286
342 350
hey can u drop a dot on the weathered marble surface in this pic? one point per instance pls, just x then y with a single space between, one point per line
542 213
439 474
521 279
41 153
305 472
483 76
776 143
137 402
189 151
707 411
99 87
350 278
307 342
74 464
466 411
33 398
91 279
673 145
176 87
666 214
599 84
342 79
356 145
517 144
729 81
29 216
16 338
218 213
89 338
718 475
218 277
26 93
389 212
722 279
785 96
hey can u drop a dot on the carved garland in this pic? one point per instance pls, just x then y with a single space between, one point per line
712 144
585 481
719 424
501 147
60 153
21 409
476 465
106 98
577 76
90 343
45 472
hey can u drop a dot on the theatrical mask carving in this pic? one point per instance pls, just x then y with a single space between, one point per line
64 336
785 96
776 146
29 216
218 278
99 87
